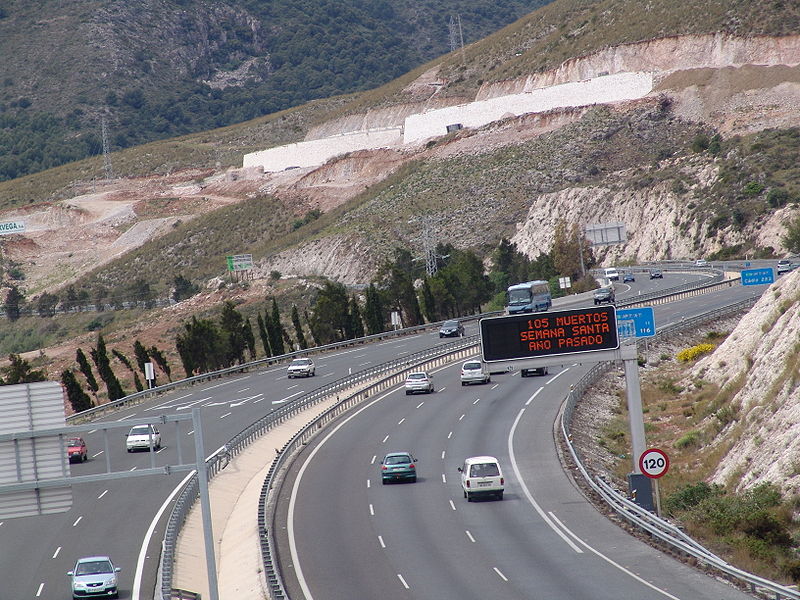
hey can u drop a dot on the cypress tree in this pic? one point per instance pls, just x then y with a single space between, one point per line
276 338
100 358
86 369
249 338
262 332
78 399
298 328
140 352
161 360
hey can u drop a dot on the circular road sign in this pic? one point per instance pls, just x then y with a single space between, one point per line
654 463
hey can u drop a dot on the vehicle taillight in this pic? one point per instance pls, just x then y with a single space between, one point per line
411 466
502 481
383 468
467 482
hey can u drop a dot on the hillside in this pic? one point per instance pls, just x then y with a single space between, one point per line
161 68
702 165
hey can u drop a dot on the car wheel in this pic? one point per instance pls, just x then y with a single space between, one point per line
488 380
130 449
407 393
465 494
440 336
383 481
523 373
500 496
430 391
469 497
413 480
85 457
463 383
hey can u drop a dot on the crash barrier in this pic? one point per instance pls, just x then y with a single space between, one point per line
365 383
656 527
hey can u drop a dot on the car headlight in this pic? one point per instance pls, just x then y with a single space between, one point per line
111 581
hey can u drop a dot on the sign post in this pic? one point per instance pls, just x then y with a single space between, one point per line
654 463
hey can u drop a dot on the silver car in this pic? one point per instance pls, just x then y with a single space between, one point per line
419 382
94 577
301 367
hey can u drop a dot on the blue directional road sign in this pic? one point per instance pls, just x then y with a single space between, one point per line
758 276
636 322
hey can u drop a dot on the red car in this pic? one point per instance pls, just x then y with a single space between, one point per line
76 450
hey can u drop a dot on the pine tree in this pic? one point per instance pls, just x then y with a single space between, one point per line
78 399
86 369
13 304
19 371
356 322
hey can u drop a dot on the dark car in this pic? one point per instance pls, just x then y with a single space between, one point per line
398 466
656 274
628 276
451 328
604 294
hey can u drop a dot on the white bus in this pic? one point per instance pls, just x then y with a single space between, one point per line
531 296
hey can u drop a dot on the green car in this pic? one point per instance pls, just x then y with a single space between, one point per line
398 466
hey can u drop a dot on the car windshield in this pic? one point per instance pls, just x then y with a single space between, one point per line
140 430
418 376
484 470
94 567
301 362
403 459
449 324
75 442
471 366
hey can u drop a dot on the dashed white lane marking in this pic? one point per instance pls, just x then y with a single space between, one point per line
442 454
420 404
461 417
469 535
444 478
103 494
503 577
78 520
57 551
403 581
400 422
384 439
449 435
477 400
368 483
39 591
380 541
374 458
98 454
227 414
452 505
371 510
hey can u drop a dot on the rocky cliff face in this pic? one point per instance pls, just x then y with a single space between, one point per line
758 364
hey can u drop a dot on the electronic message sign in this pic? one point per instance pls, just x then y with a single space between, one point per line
549 333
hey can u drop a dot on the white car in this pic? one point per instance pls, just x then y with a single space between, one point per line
301 367
482 476
784 266
474 371
140 437
701 262
419 382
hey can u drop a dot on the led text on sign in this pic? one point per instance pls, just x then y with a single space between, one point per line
552 333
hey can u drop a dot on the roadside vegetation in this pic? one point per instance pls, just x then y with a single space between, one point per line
757 529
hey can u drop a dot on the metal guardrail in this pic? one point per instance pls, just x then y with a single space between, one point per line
365 379
655 526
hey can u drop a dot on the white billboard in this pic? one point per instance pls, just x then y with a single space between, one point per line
12 227
603 234
28 408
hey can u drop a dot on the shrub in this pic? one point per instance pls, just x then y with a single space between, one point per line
690 496
687 440
693 353
753 188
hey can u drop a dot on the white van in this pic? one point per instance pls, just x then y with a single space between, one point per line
482 476
474 371
611 274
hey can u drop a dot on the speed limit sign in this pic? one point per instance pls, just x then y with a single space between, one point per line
654 463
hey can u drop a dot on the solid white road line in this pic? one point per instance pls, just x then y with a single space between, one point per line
556 376
612 562
137 578
525 489
536 393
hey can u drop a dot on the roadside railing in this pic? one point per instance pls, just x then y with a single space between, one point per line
656 527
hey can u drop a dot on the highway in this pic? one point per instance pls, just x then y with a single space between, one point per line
428 541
